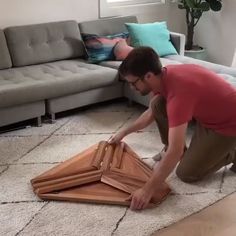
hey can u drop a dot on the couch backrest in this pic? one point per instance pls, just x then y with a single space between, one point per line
5 59
106 26
40 43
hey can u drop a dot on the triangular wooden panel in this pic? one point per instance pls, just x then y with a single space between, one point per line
104 173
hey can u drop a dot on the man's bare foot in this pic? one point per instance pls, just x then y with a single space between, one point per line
159 155
233 168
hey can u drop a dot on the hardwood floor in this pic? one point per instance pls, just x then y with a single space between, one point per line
216 220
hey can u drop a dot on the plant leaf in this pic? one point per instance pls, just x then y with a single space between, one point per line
215 5
204 6
190 3
197 14
180 6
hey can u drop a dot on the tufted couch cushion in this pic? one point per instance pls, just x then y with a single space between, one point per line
33 83
5 59
35 44
107 26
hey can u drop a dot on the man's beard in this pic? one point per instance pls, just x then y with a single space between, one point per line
145 92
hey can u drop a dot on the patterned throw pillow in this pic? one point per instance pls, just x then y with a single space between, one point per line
121 50
100 48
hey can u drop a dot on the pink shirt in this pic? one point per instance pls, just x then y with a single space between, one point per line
193 91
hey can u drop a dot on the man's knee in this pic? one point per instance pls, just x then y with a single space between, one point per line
186 176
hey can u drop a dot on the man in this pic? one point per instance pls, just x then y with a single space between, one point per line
181 93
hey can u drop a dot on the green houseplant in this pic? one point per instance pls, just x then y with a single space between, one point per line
194 10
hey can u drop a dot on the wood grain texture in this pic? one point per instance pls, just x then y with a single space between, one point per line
103 173
78 163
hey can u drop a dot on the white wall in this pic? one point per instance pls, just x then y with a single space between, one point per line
167 12
216 31
21 12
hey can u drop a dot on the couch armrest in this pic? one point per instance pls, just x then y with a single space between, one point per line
178 41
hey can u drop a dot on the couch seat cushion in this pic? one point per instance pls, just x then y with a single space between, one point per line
111 64
219 69
5 59
231 79
33 83
116 64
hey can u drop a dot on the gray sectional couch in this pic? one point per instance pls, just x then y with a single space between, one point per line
43 69
48 72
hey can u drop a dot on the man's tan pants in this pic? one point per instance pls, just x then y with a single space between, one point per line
208 150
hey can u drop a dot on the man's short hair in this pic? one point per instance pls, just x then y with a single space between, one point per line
140 61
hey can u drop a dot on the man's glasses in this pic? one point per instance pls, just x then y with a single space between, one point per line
134 82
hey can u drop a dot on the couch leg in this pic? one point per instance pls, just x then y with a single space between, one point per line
130 102
39 121
52 118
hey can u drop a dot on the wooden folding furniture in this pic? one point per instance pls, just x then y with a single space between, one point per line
104 173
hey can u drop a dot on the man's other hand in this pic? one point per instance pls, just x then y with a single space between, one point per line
140 199
116 138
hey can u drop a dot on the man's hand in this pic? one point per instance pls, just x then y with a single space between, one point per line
140 199
117 137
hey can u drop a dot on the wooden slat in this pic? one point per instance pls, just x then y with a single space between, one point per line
91 177
68 167
120 172
118 154
145 167
52 178
97 192
86 198
65 179
105 165
131 184
100 152
116 184
124 182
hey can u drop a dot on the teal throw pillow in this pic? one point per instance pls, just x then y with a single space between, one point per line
155 35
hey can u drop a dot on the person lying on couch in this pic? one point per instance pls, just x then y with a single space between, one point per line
181 93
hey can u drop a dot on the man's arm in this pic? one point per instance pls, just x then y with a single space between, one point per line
172 156
145 119
141 197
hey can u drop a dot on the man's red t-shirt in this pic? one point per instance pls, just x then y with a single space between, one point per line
192 91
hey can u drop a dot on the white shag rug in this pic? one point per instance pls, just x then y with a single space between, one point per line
27 153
